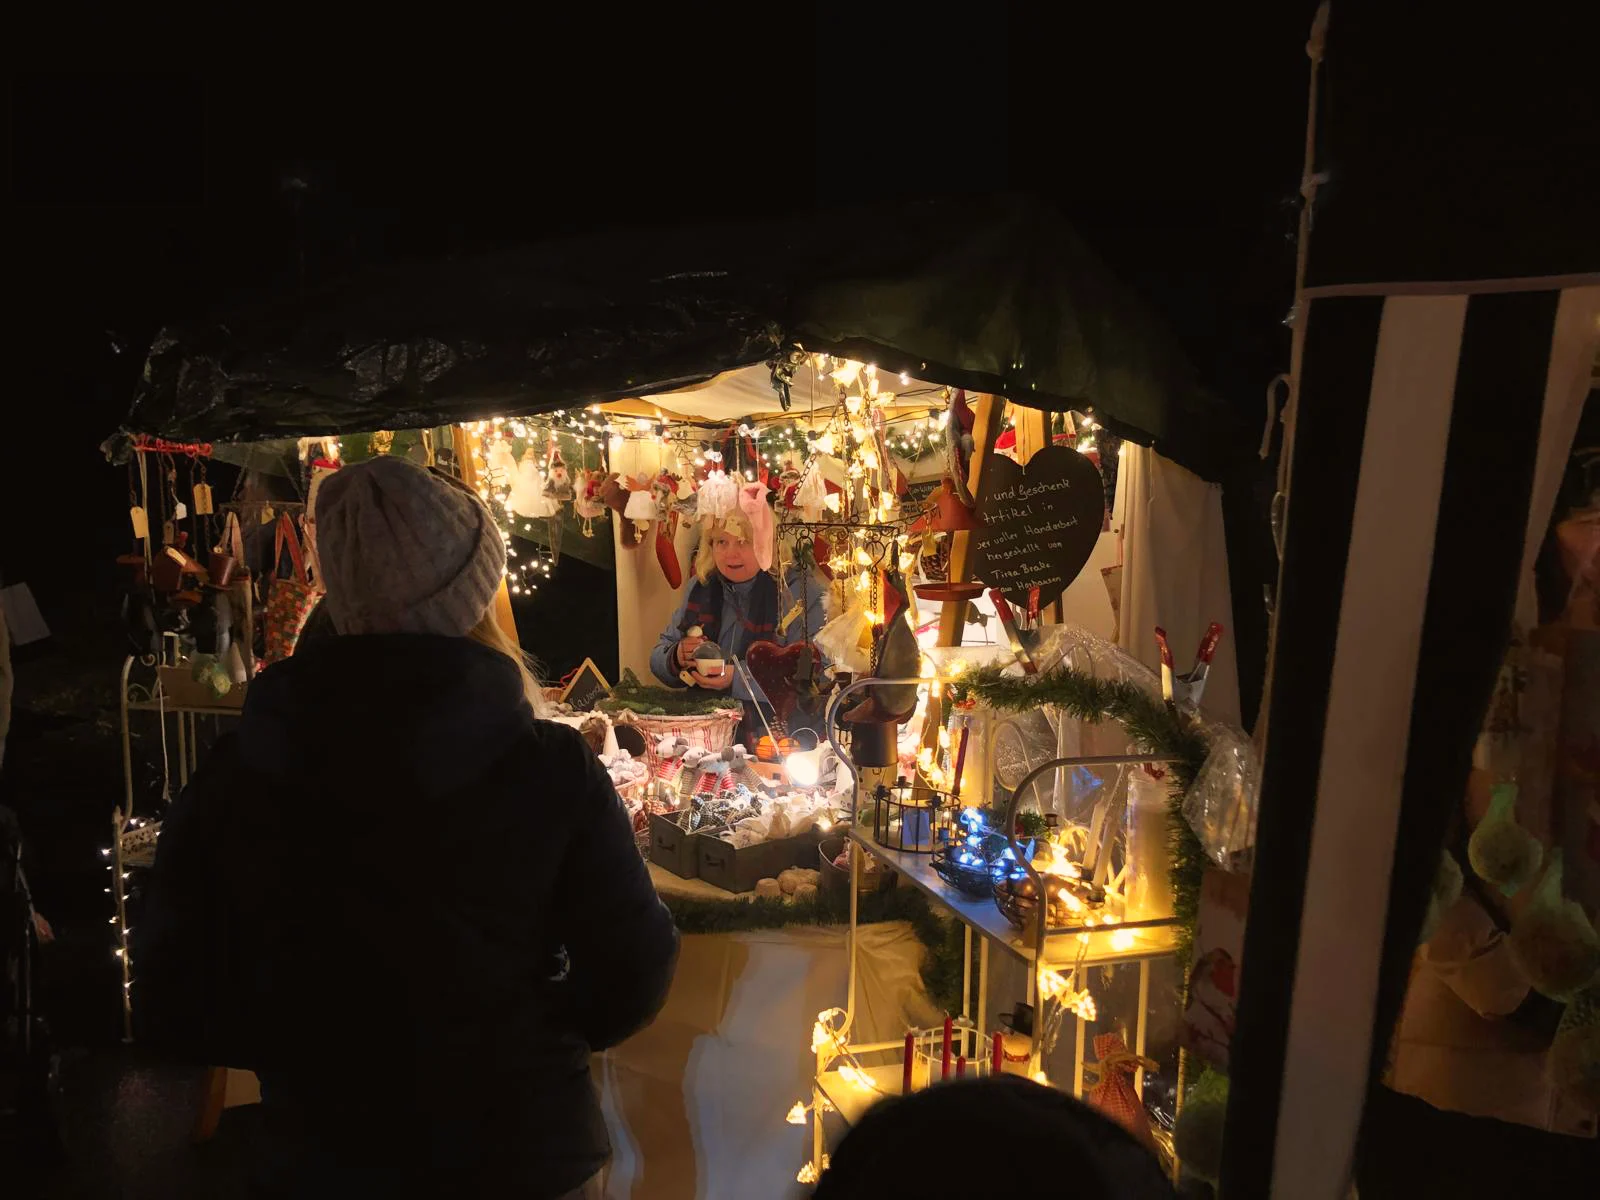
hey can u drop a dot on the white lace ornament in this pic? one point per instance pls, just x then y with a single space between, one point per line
811 497
718 497
527 497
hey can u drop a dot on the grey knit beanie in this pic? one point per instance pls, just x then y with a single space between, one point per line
404 550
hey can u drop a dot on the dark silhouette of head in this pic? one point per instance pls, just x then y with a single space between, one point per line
990 1137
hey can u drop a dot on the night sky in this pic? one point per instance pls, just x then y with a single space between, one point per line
135 199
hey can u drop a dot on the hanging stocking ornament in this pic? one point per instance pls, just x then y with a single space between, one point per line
664 492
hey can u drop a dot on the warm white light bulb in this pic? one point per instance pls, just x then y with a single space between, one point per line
804 767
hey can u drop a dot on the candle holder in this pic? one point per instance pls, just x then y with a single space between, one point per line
912 818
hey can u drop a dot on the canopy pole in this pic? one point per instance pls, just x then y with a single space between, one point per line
989 414
461 444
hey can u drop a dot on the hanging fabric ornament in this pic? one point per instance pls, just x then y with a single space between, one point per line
811 497
586 502
847 639
1115 1094
502 461
663 494
641 508
1501 851
558 484
899 658
753 504
527 497
1553 941
719 495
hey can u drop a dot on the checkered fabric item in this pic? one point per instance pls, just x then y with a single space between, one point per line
1114 1095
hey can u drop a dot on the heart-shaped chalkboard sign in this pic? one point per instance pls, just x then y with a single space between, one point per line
1040 523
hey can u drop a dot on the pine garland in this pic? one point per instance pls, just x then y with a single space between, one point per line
941 966
1154 726
650 700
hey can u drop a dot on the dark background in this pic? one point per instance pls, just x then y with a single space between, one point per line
136 198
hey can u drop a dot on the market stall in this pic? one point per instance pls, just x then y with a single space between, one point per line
1024 528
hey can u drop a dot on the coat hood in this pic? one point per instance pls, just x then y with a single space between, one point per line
424 712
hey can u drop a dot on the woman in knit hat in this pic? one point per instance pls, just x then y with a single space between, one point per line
409 905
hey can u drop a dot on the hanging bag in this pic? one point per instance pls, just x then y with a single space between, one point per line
291 598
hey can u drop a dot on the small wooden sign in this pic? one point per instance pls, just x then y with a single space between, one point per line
587 688
1041 523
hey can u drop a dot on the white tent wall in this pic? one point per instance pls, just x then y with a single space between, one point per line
645 600
1174 571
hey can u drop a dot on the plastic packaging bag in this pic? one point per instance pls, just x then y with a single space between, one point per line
1222 803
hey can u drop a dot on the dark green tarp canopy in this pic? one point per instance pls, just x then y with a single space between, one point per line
994 294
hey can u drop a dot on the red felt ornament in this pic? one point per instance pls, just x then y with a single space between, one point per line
667 556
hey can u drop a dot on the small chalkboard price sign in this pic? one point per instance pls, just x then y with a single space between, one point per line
1040 523
587 687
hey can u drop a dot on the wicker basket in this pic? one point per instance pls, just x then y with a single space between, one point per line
1019 908
714 732
975 879
836 880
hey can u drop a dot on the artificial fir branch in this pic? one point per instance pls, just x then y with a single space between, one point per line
1154 727
650 700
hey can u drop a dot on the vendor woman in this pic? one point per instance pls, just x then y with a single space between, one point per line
733 603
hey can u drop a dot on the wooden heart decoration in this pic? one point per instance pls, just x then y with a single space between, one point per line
1041 523
781 671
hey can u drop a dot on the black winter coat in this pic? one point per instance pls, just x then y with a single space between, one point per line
413 910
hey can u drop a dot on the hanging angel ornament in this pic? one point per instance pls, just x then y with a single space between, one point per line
502 462
558 483
527 497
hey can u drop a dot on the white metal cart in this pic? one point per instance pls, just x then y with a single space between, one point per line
1058 958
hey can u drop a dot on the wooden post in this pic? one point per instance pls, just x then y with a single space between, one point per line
461 443
990 414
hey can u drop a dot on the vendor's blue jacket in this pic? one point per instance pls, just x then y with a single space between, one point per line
414 910
735 616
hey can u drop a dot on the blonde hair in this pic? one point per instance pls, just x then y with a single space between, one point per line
734 525
489 632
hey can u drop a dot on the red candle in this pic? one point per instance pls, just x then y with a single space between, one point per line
961 757
944 1061
997 1053
961 1066
911 1051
